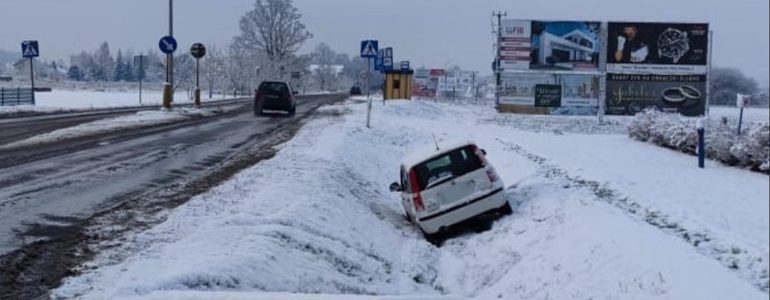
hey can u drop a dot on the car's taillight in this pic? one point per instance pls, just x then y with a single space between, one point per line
492 175
418 205
480 155
490 171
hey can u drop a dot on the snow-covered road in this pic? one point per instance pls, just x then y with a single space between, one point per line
597 215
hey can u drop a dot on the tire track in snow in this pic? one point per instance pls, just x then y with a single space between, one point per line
750 265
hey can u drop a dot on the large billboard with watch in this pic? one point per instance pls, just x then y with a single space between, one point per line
657 48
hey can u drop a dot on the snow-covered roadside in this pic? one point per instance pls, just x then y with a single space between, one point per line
318 218
137 120
71 100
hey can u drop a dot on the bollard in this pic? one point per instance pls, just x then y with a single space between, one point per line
197 97
701 144
167 96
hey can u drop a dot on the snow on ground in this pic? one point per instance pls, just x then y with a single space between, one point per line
137 120
67 100
318 220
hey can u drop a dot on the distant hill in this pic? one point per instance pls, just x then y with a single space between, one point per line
8 56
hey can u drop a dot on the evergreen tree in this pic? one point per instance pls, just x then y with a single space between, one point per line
74 73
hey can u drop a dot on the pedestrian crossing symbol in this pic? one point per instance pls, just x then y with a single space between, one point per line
369 49
29 49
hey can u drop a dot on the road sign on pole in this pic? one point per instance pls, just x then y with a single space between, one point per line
387 61
140 61
167 44
378 61
197 51
30 49
405 65
369 48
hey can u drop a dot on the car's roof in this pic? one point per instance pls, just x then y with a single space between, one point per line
272 82
429 151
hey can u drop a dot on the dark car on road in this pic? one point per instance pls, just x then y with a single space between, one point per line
275 95
355 91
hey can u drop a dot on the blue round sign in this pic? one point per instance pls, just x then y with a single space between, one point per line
167 44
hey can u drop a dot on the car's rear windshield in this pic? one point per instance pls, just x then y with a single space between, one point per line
446 166
275 88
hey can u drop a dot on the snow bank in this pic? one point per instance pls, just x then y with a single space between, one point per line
750 150
317 222
137 120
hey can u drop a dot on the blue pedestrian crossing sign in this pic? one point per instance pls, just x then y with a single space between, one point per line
369 49
167 44
29 49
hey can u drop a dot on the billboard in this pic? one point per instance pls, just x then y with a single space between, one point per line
515 44
657 48
565 45
628 94
576 90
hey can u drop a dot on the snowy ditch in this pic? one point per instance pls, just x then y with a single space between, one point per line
317 219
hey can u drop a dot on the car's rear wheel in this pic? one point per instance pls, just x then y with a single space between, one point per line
506 209
434 238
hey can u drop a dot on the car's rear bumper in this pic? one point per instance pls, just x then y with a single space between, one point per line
276 105
432 222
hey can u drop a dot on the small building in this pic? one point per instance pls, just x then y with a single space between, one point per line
398 84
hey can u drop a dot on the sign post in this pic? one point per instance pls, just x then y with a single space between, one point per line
369 50
742 101
30 49
139 61
198 51
168 45
701 144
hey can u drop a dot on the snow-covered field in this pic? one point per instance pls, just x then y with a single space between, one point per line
596 216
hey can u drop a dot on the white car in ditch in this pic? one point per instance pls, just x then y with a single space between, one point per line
447 184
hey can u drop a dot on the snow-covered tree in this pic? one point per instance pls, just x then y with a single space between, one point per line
213 70
105 64
74 73
275 29
324 72
726 83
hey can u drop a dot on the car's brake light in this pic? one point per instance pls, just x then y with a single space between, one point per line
418 205
490 171
492 175
480 155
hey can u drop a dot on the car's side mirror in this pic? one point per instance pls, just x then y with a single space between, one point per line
484 152
395 187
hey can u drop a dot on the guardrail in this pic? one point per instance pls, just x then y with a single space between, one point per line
16 96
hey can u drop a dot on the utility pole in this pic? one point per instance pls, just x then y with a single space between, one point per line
168 88
498 71
473 88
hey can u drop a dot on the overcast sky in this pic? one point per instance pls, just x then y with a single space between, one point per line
430 33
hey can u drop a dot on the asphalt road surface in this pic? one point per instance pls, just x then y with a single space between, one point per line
125 180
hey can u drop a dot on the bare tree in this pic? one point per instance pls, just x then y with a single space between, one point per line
274 28
324 71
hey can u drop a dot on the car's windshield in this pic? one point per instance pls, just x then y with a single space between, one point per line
446 166
275 88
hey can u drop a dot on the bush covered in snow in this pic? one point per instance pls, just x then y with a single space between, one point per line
674 131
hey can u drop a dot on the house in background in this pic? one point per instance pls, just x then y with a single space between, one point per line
575 47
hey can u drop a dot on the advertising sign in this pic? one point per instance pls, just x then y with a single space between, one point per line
628 94
657 48
576 90
566 45
579 90
547 95
515 44
519 88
